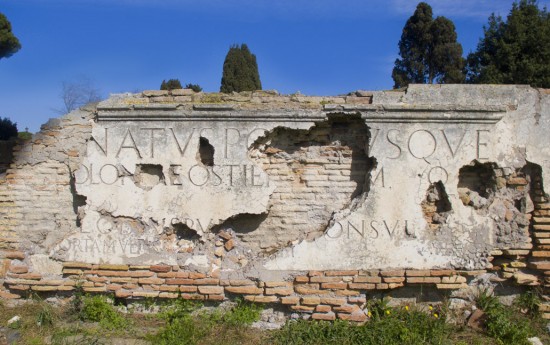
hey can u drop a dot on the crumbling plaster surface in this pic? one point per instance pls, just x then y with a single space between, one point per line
143 190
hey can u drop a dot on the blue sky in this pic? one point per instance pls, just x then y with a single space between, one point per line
319 47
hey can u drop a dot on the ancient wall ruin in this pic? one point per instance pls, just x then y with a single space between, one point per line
313 203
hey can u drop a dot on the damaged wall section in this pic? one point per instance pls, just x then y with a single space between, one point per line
317 173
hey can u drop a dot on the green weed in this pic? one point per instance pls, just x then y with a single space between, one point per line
99 308
387 326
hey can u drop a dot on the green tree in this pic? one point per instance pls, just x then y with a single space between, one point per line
194 87
9 44
240 71
8 129
515 51
428 50
171 84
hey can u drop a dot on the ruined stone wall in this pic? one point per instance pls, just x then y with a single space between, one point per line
312 203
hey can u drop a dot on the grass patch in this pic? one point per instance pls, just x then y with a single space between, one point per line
509 325
100 308
186 326
387 326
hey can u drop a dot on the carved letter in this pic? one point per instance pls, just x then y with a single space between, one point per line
380 174
227 143
392 232
481 143
453 152
103 149
393 143
133 146
421 149
152 146
182 151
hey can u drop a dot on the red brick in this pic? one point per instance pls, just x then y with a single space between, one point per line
341 273
394 273
315 273
14 255
441 273
362 286
418 273
333 301
187 288
110 267
301 279
277 284
261 299
325 279
322 316
196 275
290 300
7 295
323 308
241 282
169 288
160 268
168 295
366 279
394 279
192 296
279 291
122 294
334 286
248 290
210 290
179 281
424 280
19 269
215 297
356 317
302 308
346 293
347 308
155 281
311 300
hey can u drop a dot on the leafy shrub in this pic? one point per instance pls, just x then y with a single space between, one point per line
503 323
100 309
243 314
8 129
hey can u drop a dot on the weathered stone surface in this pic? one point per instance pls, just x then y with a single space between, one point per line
280 198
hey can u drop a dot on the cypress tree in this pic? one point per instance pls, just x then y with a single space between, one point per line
429 51
240 71
9 44
515 51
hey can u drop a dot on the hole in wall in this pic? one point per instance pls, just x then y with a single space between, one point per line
436 206
148 175
206 152
476 184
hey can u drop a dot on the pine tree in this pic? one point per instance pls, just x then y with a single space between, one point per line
171 84
9 44
515 51
429 51
240 71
